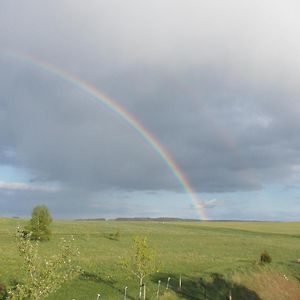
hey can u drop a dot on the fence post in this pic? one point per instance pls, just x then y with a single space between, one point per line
158 285
180 282
168 283
125 293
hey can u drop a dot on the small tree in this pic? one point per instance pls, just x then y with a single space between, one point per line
39 223
265 257
141 262
42 276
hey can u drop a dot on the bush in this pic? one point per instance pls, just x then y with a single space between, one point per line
43 276
3 292
116 235
39 224
265 257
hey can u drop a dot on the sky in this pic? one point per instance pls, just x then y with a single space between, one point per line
216 83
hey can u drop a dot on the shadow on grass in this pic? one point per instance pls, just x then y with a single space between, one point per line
194 288
99 279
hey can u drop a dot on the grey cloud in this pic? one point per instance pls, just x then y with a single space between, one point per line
252 38
216 82
225 138
222 139
63 136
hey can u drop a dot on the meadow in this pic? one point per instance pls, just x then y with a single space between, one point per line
212 258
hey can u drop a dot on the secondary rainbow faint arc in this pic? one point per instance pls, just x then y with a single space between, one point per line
121 111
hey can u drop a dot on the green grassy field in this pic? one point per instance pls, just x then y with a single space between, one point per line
223 254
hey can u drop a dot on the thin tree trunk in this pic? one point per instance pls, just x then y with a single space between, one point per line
141 286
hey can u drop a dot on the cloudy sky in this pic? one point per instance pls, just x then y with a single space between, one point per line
216 83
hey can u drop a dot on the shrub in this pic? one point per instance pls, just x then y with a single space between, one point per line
43 276
3 292
115 236
39 224
265 257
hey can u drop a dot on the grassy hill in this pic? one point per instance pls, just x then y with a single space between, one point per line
211 257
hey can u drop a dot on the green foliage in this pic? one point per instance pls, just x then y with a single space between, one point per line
265 257
39 224
116 235
43 276
3 292
142 260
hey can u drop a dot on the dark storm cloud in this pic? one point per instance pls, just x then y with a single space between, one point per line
216 83
64 136
225 137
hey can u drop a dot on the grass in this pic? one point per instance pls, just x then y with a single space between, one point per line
212 257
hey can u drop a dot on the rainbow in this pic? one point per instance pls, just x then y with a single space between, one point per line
115 107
